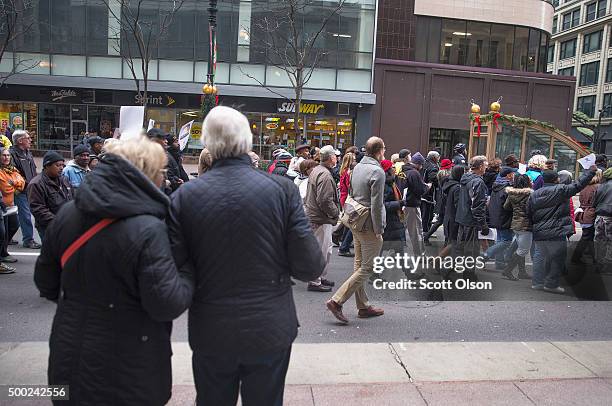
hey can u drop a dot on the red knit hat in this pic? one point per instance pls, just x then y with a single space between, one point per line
446 164
386 164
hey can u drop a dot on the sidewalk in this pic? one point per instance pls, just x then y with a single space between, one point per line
444 373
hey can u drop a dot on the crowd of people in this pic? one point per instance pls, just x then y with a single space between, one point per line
131 244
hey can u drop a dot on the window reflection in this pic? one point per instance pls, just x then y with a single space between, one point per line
509 140
537 141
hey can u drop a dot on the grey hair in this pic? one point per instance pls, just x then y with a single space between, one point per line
433 155
19 134
226 133
326 153
477 161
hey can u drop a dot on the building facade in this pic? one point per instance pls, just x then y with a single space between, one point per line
434 56
581 46
73 76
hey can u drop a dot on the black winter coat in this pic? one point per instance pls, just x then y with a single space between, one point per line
24 162
603 199
489 179
430 172
244 233
472 206
548 208
411 179
394 230
499 217
450 195
173 174
110 339
178 158
46 196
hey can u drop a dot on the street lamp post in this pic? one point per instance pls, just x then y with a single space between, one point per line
210 90
597 137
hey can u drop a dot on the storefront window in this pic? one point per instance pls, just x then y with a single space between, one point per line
537 141
54 126
103 120
445 139
164 119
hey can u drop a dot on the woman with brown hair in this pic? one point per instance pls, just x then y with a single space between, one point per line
348 163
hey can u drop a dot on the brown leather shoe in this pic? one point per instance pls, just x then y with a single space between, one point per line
336 310
370 312
327 282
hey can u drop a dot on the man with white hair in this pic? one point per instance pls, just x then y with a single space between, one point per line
24 162
244 234
322 207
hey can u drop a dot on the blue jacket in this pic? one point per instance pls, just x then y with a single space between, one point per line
75 174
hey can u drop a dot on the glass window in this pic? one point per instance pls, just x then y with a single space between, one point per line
454 43
565 156
551 54
567 21
567 71
37 18
54 126
478 43
589 74
103 120
601 8
97 28
555 23
67 28
179 40
521 44
587 105
607 100
592 42
542 59
445 139
502 44
591 12
533 50
509 140
148 15
576 18
609 71
568 49
537 140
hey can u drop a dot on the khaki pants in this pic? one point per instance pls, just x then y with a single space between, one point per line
323 234
414 229
367 246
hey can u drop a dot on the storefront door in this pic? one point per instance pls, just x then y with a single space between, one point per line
78 128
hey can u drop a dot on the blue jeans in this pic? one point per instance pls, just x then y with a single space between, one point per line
346 241
25 217
549 262
500 248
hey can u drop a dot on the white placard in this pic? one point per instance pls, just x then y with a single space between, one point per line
130 121
522 169
587 161
184 134
151 124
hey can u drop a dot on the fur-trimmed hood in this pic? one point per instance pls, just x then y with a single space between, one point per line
515 191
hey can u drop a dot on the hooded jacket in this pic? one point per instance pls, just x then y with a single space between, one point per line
450 195
498 216
603 199
110 339
548 208
413 183
517 204
74 174
586 197
245 234
430 172
472 206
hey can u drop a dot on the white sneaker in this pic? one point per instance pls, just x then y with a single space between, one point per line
537 287
558 289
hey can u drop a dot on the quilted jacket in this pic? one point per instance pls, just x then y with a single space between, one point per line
244 233
110 339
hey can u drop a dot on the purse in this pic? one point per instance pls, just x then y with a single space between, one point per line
355 215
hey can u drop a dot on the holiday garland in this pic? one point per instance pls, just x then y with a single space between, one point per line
511 119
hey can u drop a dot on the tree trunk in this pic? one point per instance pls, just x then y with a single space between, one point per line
299 136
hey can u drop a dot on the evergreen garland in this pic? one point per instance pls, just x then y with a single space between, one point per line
512 119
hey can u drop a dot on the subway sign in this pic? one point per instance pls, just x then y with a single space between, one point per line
305 108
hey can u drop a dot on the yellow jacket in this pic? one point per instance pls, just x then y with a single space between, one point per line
11 182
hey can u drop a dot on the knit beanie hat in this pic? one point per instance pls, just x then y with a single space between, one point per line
51 157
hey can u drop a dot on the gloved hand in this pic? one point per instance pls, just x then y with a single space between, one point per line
484 230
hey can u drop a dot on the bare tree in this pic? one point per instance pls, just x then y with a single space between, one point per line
13 25
287 44
139 35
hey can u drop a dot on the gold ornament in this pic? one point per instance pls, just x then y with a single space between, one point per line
495 107
207 89
475 108
214 90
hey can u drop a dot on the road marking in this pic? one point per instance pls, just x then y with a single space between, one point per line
25 254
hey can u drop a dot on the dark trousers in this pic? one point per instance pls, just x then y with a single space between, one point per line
259 377
434 227
347 240
10 225
549 262
427 215
468 245
585 243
